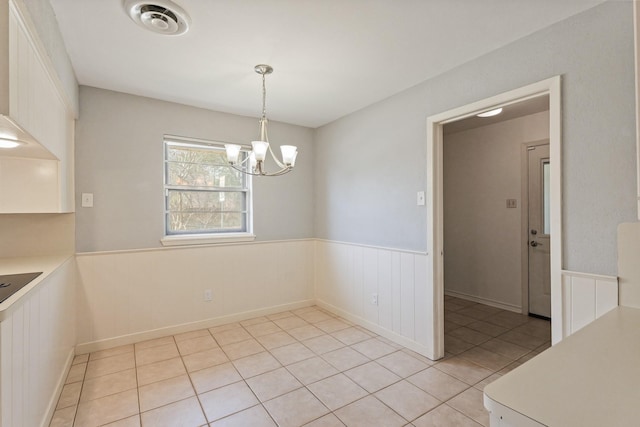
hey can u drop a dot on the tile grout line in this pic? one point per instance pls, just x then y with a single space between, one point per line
261 403
512 361
84 375
244 380
195 392
135 364
531 352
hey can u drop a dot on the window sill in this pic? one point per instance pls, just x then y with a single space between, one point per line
206 239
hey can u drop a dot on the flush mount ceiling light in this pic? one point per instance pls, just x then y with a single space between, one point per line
160 16
490 113
9 143
253 164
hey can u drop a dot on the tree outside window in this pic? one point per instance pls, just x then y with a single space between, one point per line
203 194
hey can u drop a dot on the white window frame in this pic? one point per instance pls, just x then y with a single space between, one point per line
202 238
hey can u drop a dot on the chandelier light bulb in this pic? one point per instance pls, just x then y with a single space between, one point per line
233 153
289 153
260 149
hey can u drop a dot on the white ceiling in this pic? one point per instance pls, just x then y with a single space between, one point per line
331 57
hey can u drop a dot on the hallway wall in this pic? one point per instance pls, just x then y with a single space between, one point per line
482 237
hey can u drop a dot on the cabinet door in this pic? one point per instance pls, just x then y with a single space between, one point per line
34 100
28 185
37 105
19 51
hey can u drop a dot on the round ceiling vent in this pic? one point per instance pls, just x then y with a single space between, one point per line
160 16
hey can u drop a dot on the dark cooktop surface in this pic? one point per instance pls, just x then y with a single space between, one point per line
12 283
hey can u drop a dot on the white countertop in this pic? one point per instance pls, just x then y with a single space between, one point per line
591 378
46 264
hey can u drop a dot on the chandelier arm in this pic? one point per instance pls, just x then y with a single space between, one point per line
278 173
246 159
283 168
246 172
278 162
264 136
265 129
284 171
242 163
240 169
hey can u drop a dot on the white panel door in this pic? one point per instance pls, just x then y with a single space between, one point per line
539 231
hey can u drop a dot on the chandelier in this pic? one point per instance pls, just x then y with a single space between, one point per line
253 164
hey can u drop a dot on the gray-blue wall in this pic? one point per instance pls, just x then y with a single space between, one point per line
370 164
357 177
119 158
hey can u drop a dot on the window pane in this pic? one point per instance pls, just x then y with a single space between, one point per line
209 155
179 223
203 175
201 167
205 201
546 198
203 194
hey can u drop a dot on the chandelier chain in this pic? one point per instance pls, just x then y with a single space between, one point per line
264 98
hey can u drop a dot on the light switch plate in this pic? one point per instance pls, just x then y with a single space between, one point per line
87 200
421 198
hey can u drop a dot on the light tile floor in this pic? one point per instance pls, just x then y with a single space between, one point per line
301 368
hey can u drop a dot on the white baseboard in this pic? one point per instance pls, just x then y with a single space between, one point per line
486 301
390 335
186 327
53 401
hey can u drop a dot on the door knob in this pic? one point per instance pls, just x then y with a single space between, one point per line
534 243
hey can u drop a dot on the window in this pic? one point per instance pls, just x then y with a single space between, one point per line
546 196
206 200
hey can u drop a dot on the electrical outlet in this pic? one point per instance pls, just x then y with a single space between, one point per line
374 299
208 295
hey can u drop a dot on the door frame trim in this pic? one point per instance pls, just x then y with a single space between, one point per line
435 232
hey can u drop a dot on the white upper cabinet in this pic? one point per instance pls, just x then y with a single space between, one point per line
32 108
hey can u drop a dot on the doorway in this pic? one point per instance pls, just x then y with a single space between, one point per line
435 219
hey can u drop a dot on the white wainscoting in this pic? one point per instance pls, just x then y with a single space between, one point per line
37 345
585 297
129 296
348 275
